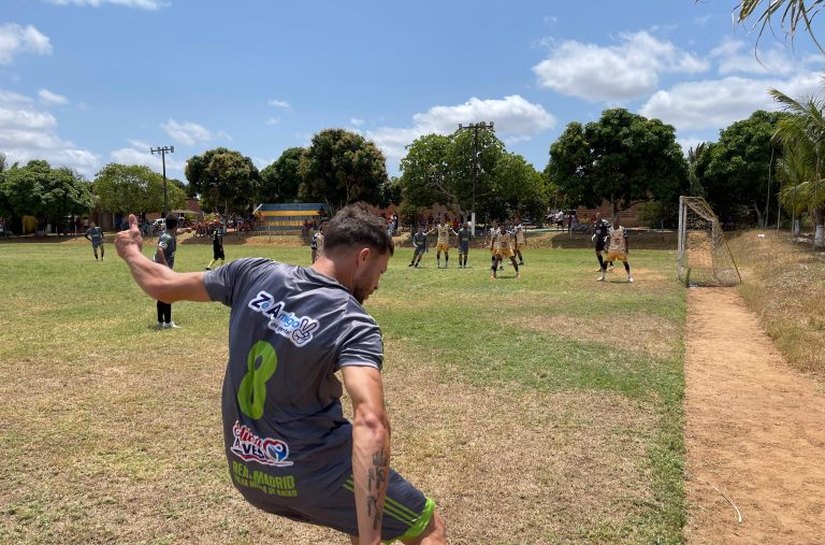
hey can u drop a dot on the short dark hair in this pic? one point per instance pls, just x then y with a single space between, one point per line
171 221
353 225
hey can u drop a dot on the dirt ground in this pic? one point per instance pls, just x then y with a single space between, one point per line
755 432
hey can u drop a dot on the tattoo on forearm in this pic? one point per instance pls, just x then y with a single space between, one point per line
373 511
376 480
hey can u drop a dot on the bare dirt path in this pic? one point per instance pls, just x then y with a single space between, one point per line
755 431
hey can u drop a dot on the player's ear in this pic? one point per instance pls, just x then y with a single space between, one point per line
364 254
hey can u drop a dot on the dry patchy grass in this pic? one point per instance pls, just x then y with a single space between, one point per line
784 283
649 335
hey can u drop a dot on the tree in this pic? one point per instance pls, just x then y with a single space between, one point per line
802 168
124 189
473 177
281 180
46 193
5 204
425 173
443 169
225 180
520 190
341 167
623 158
738 172
390 192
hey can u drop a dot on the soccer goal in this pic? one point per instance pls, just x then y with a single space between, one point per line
703 257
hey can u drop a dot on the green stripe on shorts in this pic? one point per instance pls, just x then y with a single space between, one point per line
417 522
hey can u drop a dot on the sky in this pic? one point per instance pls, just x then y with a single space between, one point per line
84 83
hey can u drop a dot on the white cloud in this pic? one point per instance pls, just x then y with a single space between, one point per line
27 133
48 98
614 73
737 57
16 39
187 132
356 122
715 104
273 121
513 116
149 5
283 104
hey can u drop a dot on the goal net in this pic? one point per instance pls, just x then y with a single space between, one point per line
703 257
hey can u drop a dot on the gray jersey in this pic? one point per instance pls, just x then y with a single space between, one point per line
290 330
168 244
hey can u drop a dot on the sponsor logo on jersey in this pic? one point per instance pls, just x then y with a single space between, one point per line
298 329
264 450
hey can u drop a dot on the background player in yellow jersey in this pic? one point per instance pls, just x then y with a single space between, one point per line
502 246
617 249
518 235
443 242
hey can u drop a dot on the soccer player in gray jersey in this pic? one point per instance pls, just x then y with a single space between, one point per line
94 234
463 244
290 450
419 240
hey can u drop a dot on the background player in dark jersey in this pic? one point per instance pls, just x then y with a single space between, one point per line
316 244
463 244
601 231
290 450
94 234
217 246
419 240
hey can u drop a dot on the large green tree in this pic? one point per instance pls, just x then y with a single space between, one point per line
738 173
341 167
623 158
425 173
226 180
520 190
125 189
49 194
281 180
459 171
473 157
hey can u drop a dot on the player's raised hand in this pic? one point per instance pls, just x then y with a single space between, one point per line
126 240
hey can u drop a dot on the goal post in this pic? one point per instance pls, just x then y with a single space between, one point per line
702 254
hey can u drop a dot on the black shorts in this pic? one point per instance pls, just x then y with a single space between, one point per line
217 253
600 245
325 498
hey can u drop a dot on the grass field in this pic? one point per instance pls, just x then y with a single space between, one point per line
543 410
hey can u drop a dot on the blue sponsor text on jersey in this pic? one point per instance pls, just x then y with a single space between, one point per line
299 330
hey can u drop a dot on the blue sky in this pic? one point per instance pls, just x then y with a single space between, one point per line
87 82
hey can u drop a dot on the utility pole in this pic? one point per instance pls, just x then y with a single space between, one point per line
163 150
475 127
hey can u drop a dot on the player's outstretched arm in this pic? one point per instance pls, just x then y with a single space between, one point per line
156 280
370 449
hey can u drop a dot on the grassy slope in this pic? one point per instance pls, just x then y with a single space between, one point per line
784 283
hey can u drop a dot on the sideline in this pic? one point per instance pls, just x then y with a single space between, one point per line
754 432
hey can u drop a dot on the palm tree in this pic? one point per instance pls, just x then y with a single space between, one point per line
803 165
792 14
